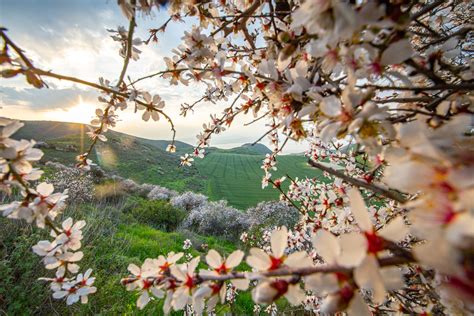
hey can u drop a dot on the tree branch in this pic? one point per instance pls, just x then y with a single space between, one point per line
359 183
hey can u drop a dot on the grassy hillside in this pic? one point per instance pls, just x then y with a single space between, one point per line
237 177
113 239
231 174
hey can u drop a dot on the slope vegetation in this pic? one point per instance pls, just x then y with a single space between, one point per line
231 174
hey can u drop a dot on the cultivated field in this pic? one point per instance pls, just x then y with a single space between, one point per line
237 177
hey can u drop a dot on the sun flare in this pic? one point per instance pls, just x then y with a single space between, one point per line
82 112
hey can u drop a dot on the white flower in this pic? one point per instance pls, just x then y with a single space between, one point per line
267 292
184 274
221 266
261 261
171 148
186 160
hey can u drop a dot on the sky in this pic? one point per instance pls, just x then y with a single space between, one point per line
71 38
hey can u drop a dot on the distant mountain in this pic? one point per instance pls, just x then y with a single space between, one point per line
47 130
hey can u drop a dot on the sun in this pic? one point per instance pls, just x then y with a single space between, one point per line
81 112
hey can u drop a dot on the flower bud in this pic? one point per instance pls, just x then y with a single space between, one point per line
284 37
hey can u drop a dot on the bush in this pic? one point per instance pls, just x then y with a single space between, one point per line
273 213
80 185
217 219
158 214
189 200
160 193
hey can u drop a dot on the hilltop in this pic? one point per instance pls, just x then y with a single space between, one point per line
231 174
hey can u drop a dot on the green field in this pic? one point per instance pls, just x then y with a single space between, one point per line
237 177
231 174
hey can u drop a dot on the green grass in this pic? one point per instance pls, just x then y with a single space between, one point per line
112 240
237 177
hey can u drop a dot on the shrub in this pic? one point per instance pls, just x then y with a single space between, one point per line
80 185
189 200
273 213
217 219
161 193
158 214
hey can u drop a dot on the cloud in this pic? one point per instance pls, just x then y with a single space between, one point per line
45 99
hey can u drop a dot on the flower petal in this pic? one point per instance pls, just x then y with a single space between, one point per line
394 231
353 249
234 259
258 259
327 246
359 210
295 295
367 275
279 242
298 259
214 259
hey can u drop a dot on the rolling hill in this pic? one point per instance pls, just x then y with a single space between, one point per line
231 174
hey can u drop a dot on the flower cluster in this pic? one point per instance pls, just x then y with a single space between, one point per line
382 90
42 206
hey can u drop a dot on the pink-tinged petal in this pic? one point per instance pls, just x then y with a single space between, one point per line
178 273
222 294
180 298
397 52
367 276
353 249
211 303
193 264
77 256
198 305
439 254
203 291
460 229
330 304
214 259
175 257
167 302
134 269
79 225
394 231
71 299
157 292
258 259
279 242
322 283
146 115
357 306
392 278
298 259
156 99
330 131
241 284
82 291
73 268
143 300
326 246
147 97
45 189
264 293
234 259
330 106
67 224
60 294
295 295
359 210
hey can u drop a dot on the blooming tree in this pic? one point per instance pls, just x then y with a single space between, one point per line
382 90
